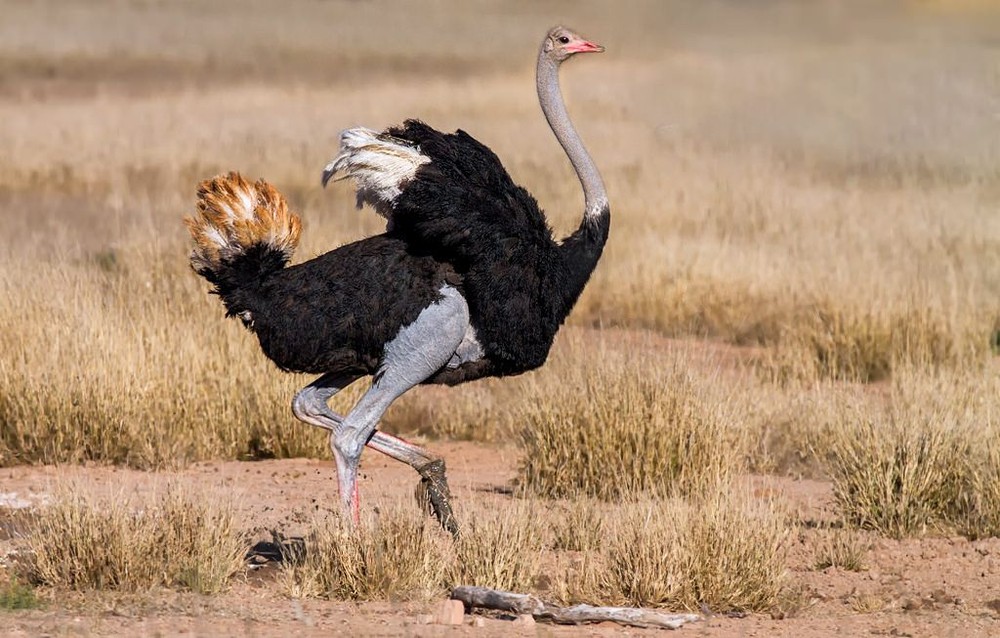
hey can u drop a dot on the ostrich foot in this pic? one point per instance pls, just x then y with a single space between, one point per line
434 485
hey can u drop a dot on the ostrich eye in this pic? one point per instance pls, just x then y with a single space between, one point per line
564 40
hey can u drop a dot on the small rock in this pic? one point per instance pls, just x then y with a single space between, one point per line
450 612
525 620
478 621
425 619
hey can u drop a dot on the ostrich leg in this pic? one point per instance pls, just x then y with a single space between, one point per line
310 406
419 350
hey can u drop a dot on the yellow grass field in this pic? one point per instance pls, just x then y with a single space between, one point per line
785 369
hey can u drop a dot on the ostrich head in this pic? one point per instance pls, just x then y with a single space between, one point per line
561 43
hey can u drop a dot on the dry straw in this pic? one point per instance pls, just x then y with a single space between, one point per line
172 538
922 461
396 554
724 552
617 424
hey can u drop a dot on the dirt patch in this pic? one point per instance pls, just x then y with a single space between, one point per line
925 587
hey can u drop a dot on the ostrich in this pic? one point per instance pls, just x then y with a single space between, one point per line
467 281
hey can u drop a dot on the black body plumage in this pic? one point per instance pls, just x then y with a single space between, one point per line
463 208
335 312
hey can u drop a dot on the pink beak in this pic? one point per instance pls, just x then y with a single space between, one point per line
583 46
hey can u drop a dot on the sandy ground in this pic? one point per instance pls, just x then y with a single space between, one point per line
930 587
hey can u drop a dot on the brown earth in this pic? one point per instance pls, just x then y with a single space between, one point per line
926 587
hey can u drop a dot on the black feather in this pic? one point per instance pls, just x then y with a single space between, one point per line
464 208
335 312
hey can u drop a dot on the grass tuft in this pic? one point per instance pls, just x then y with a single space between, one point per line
16 595
724 552
896 477
925 458
869 603
832 341
175 540
580 528
623 428
977 511
841 548
500 548
396 554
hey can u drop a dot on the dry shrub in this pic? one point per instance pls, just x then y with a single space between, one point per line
725 551
841 548
614 424
580 528
390 556
977 512
831 340
500 547
923 459
129 544
395 554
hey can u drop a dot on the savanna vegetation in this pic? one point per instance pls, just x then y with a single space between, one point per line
801 281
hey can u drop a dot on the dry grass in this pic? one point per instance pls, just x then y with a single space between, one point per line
845 246
500 547
924 459
978 514
580 528
896 478
137 392
868 346
841 548
132 544
780 184
623 426
482 411
869 603
397 554
725 552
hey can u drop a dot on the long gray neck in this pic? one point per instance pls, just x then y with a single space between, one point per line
550 97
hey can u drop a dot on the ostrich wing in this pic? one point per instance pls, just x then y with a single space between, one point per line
445 193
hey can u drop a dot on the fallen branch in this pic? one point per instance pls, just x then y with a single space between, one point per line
578 614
